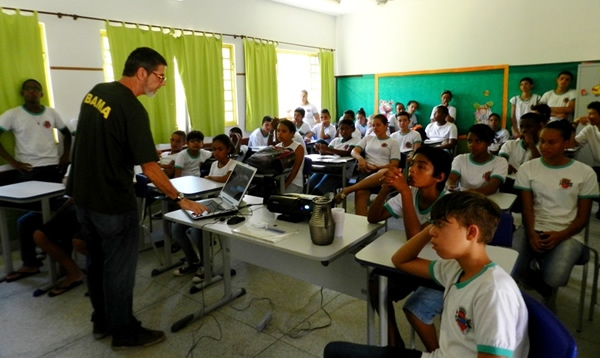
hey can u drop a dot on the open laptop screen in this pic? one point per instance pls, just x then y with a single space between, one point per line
238 183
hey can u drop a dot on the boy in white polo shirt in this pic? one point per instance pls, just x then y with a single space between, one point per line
562 99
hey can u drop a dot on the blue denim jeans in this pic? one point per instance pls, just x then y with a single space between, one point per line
26 225
321 184
555 265
112 246
179 233
353 350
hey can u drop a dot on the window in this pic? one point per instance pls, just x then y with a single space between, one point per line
229 85
297 71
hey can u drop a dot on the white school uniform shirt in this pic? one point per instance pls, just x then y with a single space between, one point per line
300 140
473 175
394 206
501 137
515 152
360 129
451 111
190 165
339 144
330 131
379 151
559 100
167 157
590 135
556 191
406 141
257 139
522 107
304 128
34 135
215 171
445 133
298 180
485 313
309 114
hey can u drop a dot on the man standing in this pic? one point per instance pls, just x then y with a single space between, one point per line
113 135
36 153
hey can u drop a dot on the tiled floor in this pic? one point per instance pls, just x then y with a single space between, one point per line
60 327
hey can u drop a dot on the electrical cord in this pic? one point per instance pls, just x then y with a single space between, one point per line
301 330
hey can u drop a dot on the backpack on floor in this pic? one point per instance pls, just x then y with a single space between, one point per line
272 160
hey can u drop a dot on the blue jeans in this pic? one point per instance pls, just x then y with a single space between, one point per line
26 225
353 350
555 265
179 233
112 246
321 184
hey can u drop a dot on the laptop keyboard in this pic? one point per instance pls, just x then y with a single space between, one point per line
213 207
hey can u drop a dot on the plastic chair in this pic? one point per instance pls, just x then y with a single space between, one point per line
584 259
548 337
306 173
504 231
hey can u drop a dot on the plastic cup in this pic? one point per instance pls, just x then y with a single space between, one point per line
338 217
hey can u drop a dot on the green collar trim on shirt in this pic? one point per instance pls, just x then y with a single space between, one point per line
428 210
346 140
35 114
191 155
476 163
386 138
460 285
571 161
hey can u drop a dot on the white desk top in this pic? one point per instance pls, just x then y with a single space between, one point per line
192 185
504 200
30 191
319 158
356 228
379 252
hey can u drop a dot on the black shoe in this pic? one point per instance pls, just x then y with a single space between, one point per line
100 331
144 338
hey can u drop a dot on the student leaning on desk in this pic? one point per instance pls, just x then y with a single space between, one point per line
484 313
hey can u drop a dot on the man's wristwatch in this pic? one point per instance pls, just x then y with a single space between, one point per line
179 197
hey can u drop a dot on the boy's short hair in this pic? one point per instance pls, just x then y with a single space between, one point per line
403 113
347 122
568 73
351 112
195 135
300 110
440 159
448 92
31 80
469 208
267 119
325 111
528 79
536 117
594 105
238 130
180 133
443 109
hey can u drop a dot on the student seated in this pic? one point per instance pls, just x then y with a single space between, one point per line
220 171
446 97
320 183
416 194
167 158
556 194
294 182
501 136
394 126
274 140
479 170
239 150
407 139
302 127
260 136
411 109
324 130
360 123
188 162
484 313
381 153
442 130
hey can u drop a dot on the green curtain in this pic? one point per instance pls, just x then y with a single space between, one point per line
21 58
261 81
200 63
161 109
327 81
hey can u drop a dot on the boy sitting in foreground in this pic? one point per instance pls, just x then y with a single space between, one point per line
484 313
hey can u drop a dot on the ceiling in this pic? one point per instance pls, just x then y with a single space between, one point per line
333 7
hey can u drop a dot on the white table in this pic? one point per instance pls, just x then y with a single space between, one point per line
378 254
296 255
23 193
193 188
504 200
331 161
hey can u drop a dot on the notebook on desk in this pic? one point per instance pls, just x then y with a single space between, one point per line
231 194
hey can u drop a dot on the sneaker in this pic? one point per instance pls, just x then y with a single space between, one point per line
144 338
199 276
100 331
186 269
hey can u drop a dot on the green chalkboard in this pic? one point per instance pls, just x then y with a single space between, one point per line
355 92
468 88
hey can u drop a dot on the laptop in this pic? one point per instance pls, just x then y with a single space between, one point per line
231 194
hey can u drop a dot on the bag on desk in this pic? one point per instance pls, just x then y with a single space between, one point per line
272 160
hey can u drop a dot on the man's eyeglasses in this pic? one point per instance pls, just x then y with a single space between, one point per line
162 78
32 89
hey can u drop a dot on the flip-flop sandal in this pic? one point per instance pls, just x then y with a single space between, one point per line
62 289
20 275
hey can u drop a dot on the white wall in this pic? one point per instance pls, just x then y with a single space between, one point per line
414 35
76 43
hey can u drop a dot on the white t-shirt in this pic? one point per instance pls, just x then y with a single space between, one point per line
215 171
473 175
522 107
515 152
339 144
485 314
413 120
309 114
167 157
190 165
451 112
34 135
559 100
304 128
298 180
300 140
394 206
406 141
330 131
257 139
446 132
556 191
501 137
379 151
590 135
360 129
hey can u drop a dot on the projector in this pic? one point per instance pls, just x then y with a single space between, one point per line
292 207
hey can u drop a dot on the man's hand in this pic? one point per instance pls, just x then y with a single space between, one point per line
195 207
22 167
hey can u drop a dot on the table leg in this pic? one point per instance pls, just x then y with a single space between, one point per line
169 264
53 274
6 253
344 181
383 312
370 312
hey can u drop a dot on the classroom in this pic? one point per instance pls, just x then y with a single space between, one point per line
377 49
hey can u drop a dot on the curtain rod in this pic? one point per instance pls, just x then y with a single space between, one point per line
60 15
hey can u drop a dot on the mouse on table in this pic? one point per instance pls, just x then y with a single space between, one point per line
235 220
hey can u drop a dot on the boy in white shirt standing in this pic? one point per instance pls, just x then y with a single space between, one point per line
562 99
